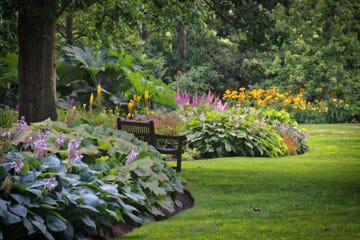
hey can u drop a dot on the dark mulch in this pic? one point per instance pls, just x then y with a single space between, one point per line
185 198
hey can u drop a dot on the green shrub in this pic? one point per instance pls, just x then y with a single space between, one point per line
234 133
7 117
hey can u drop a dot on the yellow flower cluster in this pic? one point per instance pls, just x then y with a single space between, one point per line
271 97
135 105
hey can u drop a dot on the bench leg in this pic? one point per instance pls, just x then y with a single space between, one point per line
178 162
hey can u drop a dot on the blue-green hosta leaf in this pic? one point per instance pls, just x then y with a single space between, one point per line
88 207
10 218
28 177
90 198
167 204
18 209
110 188
42 227
49 200
127 208
228 146
53 162
249 144
36 192
29 226
55 224
69 232
3 208
88 222
17 197
135 196
135 218
114 215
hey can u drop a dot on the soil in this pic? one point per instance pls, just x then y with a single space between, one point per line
185 198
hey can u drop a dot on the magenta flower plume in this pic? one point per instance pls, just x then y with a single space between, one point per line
178 98
195 100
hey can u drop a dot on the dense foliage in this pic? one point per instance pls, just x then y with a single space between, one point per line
59 182
202 45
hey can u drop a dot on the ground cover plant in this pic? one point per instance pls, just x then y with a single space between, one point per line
311 196
61 182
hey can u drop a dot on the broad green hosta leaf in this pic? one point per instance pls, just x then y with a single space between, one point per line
18 209
88 222
42 227
55 224
153 186
144 163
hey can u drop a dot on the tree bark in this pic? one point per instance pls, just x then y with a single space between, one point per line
36 67
69 29
182 33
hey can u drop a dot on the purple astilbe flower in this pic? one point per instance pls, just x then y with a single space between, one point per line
18 165
210 98
178 97
21 125
73 154
195 100
221 107
60 140
186 98
50 184
132 156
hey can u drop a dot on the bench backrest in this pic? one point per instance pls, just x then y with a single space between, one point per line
143 130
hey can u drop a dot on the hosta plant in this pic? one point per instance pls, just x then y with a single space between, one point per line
58 182
243 132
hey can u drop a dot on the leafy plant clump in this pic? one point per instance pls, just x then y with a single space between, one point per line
245 132
59 182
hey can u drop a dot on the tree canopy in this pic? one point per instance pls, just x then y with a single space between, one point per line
208 44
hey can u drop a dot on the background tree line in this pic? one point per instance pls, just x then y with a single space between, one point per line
197 45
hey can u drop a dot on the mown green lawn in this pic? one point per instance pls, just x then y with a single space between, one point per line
310 196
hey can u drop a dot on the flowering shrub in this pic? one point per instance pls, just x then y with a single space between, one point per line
59 182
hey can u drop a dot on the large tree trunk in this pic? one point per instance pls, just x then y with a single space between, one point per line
36 68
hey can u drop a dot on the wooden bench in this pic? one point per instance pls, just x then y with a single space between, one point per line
145 131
